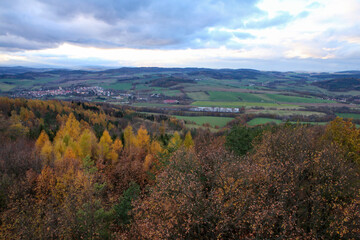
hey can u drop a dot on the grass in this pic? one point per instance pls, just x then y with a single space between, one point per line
213 121
235 96
223 96
6 87
349 115
285 112
190 126
260 121
172 93
294 99
242 104
249 97
143 87
312 123
119 86
198 96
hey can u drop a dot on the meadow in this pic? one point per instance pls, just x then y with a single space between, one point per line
243 104
349 115
200 120
261 121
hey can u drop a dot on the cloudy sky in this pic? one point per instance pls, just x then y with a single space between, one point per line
301 35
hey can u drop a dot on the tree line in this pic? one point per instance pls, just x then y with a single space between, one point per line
86 171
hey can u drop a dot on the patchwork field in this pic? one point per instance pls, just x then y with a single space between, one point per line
260 121
349 115
235 96
243 104
312 96
295 99
284 112
6 87
118 86
198 96
213 121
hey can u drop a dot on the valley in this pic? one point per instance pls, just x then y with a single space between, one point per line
236 93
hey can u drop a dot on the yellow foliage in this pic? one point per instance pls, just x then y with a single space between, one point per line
147 162
107 148
87 144
68 162
45 183
43 137
46 152
68 135
72 127
142 138
128 136
188 141
113 156
26 115
155 148
59 148
346 135
84 125
105 143
175 141
69 154
117 145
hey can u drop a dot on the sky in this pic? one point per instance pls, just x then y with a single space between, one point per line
281 35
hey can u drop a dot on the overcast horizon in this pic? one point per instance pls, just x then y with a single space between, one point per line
297 35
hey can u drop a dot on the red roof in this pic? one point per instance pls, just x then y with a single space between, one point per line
171 101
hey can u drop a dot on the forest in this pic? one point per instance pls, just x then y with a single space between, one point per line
78 170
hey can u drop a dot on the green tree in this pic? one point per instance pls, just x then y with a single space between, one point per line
240 139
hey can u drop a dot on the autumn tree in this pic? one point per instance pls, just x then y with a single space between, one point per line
128 136
142 138
175 142
188 141
346 135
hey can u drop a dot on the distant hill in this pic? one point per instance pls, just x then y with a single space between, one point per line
339 84
19 70
146 79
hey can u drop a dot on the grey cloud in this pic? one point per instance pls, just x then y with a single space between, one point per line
122 23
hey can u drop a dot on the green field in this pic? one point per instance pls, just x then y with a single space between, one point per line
260 121
198 96
213 121
312 123
172 93
119 86
6 87
349 115
284 112
235 96
243 104
294 99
